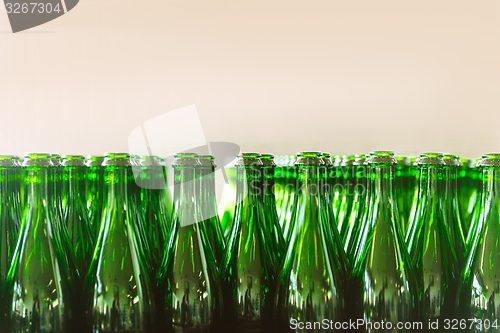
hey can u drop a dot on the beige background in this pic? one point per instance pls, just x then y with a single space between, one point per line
275 76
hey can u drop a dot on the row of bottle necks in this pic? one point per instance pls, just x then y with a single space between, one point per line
311 244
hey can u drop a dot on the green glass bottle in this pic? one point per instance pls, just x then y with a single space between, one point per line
388 289
326 185
39 278
153 206
354 222
480 288
248 271
451 208
75 215
187 275
401 185
9 225
118 281
430 246
468 191
311 284
289 199
209 207
338 184
347 195
270 211
56 191
94 190
227 203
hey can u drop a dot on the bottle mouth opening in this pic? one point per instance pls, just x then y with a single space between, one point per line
206 157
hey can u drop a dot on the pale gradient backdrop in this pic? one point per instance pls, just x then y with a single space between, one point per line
271 76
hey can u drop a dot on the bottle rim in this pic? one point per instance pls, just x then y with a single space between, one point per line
430 159
491 159
381 158
73 160
9 161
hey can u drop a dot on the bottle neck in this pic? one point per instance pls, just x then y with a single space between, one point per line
491 186
185 184
450 175
247 186
118 180
9 179
207 183
381 183
38 182
74 182
430 178
309 180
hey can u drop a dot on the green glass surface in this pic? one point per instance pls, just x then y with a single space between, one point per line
94 190
75 215
311 284
271 215
228 204
10 217
338 185
153 205
39 278
187 275
288 208
384 274
402 189
354 221
452 210
430 245
118 284
480 289
347 195
209 207
248 273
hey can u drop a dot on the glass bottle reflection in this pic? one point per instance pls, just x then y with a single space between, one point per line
38 280
248 272
311 282
118 281
480 289
388 289
187 274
